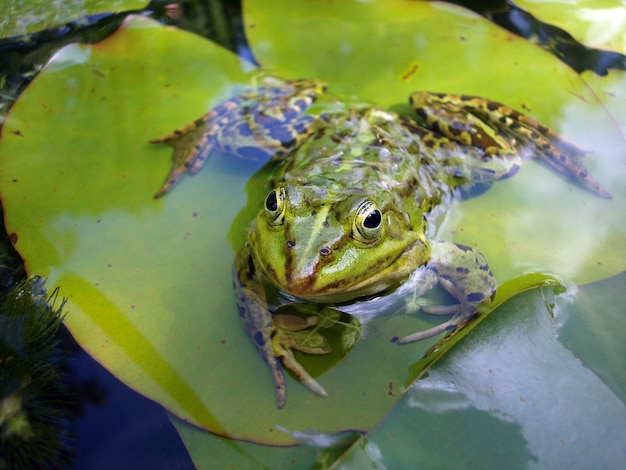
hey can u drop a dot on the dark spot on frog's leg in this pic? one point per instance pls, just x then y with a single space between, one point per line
266 121
514 125
284 134
512 171
476 189
301 104
244 129
543 129
475 297
251 269
502 119
492 105
301 125
464 247
462 270
484 267
259 339
242 312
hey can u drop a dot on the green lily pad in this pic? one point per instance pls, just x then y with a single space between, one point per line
518 386
29 16
149 281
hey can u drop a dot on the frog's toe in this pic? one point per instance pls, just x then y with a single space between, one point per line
459 317
173 177
454 309
285 353
293 322
420 335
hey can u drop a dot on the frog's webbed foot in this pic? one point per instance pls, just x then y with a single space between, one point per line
550 147
193 143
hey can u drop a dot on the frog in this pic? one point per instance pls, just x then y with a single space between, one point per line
353 192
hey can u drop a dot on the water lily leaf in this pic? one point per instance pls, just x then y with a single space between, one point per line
596 23
149 281
29 16
591 327
514 385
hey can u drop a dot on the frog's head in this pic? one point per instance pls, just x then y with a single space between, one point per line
334 247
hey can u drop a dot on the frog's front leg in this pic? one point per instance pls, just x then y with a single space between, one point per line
465 274
274 343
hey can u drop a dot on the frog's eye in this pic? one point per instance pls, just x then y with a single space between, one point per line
368 223
275 206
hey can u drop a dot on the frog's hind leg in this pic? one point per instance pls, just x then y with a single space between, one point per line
501 131
461 134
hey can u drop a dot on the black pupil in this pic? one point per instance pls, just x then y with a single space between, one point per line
372 220
271 204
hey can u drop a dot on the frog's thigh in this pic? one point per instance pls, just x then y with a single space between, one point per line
261 137
463 272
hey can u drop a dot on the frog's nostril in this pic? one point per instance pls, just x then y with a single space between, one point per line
325 251
290 244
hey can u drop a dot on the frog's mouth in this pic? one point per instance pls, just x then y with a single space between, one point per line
348 278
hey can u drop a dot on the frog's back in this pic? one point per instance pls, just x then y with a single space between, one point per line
375 151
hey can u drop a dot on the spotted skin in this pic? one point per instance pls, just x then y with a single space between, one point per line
245 125
444 111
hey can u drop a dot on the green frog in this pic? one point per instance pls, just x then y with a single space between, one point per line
352 194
